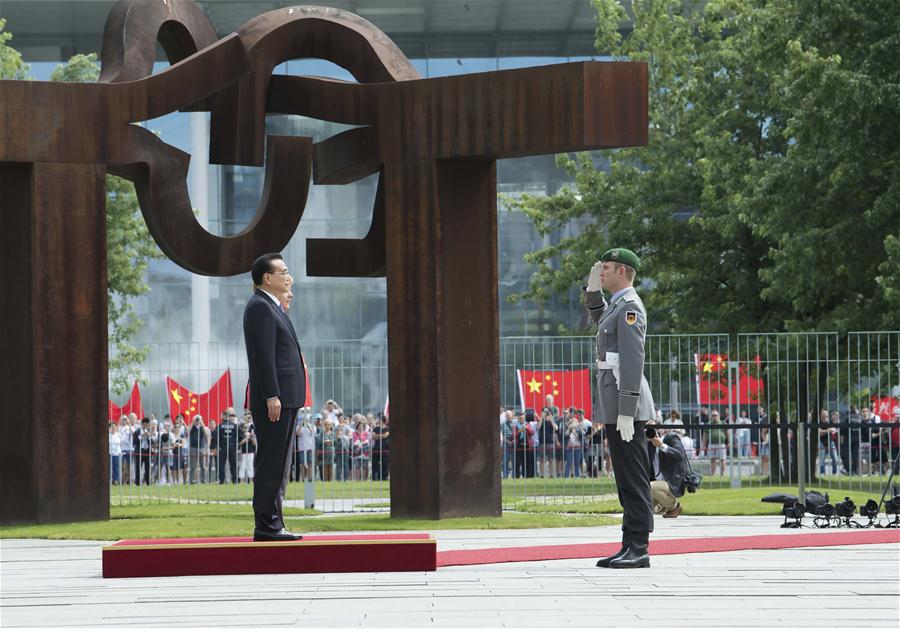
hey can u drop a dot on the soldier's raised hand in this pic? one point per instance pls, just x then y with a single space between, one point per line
594 277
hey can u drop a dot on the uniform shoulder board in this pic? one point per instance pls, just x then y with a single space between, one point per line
629 298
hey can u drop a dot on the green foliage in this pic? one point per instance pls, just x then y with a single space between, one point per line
11 64
78 69
767 197
129 247
716 502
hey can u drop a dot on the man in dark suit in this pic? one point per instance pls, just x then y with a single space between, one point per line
277 391
670 469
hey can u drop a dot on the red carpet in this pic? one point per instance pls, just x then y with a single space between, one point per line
241 555
667 547
407 552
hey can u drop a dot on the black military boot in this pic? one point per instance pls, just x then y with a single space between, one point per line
604 563
635 557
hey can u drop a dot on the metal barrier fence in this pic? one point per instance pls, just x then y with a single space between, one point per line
186 462
738 403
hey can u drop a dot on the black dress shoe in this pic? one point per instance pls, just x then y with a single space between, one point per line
276 536
604 563
634 557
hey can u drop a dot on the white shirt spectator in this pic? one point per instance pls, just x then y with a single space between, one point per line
115 444
688 444
307 437
125 436
743 434
535 437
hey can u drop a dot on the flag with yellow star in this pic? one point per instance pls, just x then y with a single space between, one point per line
208 405
717 383
568 388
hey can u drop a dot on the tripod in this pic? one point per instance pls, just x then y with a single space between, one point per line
895 523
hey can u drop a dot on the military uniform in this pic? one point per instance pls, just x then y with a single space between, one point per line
622 389
621 385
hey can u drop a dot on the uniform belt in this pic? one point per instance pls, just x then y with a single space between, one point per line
611 362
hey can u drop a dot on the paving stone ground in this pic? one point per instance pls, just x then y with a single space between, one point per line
58 584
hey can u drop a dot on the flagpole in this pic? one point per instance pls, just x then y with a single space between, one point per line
697 379
521 389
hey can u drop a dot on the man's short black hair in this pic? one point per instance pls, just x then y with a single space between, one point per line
263 265
146 420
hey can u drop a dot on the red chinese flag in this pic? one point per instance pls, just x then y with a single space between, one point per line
209 405
713 381
887 408
568 388
133 405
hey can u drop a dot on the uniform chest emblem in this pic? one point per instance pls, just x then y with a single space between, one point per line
630 317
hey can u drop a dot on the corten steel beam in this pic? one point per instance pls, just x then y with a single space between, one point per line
433 142
53 367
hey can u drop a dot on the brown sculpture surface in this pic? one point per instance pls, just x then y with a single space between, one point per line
433 142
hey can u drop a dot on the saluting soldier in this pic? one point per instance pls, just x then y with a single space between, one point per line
624 401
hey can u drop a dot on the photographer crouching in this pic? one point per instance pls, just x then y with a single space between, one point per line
671 472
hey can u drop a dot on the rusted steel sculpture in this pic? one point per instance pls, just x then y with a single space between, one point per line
433 142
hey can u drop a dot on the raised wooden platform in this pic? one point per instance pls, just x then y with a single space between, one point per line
408 552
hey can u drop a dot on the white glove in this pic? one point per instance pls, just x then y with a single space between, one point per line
594 277
625 426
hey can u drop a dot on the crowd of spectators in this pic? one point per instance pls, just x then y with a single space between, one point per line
331 445
328 446
858 442
564 443
334 446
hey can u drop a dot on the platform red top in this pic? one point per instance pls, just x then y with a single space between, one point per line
362 538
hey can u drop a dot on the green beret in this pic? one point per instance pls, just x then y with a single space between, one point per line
624 256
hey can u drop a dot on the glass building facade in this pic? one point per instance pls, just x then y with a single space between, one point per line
441 38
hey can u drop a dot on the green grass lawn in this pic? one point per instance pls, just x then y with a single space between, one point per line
514 490
744 501
537 503
243 492
223 520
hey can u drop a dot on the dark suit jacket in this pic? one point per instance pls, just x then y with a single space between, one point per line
673 465
273 354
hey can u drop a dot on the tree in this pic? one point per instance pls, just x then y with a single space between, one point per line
129 248
767 197
11 64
